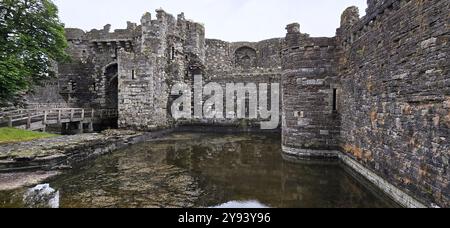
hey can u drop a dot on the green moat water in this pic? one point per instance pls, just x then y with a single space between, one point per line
207 170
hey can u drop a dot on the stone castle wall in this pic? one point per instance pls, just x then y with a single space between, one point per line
239 62
89 79
133 69
394 74
224 58
376 93
386 76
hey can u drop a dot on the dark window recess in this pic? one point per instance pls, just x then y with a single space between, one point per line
193 100
247 108
172 54
133 74
94 86
72 86
334 100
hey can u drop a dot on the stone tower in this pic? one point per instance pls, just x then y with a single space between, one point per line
310 108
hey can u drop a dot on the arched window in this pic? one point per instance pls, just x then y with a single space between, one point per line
245 57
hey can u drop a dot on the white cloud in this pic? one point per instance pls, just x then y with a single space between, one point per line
231 20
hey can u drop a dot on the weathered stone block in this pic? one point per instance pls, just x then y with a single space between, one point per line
303 122
428 43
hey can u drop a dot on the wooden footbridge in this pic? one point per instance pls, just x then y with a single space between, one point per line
40 119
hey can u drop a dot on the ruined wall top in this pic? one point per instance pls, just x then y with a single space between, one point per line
75 34
372 5
293 28
350 16
353 27
133 30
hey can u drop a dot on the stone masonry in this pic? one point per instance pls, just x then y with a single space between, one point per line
393 69
378 93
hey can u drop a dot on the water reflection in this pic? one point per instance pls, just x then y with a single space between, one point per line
243 204
204 170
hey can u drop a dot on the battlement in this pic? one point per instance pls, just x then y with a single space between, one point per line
353 29
107 35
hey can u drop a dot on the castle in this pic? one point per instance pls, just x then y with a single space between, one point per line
376 96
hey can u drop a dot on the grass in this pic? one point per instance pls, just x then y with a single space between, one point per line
13 135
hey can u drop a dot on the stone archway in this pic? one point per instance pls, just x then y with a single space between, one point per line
111 86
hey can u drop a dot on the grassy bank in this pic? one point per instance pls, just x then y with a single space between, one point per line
11 135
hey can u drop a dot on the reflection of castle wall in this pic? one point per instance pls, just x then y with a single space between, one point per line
251 166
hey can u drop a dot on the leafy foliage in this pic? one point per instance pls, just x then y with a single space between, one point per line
31 39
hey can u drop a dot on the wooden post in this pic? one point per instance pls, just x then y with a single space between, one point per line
10 121
72 113
82 114
59 116
45 121
45 116
29 121
91 126
80 127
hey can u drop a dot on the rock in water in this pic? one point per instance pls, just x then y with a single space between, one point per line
41 196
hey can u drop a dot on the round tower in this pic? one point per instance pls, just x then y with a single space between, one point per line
310 117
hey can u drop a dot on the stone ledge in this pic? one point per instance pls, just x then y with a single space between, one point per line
65 151
310 154
395 193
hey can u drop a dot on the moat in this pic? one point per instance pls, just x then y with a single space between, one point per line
207 170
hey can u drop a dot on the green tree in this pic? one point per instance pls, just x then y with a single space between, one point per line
32 38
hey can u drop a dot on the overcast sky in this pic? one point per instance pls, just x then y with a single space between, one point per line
230 20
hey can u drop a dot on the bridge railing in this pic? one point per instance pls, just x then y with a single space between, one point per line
26 117
106 113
